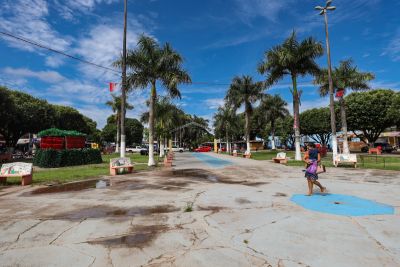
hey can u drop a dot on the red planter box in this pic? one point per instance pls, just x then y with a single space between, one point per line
74 142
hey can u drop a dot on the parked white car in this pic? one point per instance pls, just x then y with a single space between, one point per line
135 149
177 149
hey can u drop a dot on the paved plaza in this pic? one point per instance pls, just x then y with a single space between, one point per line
242 215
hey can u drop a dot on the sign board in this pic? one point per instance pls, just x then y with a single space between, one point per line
16 168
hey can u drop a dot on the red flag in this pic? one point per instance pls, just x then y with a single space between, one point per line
112 86
339 92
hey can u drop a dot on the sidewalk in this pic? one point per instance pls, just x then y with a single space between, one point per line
242 216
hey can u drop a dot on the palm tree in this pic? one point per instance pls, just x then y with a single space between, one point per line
167 117
274 108
115 105
296 59
344 77
243 91
225 121
150 64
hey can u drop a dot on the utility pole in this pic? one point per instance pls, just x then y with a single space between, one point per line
324 11
123 87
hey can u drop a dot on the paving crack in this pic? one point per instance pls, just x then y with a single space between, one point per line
69 228
30 228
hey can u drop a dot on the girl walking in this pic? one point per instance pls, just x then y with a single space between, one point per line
312 157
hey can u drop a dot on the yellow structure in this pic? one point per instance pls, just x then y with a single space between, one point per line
215 146
95 146
170 145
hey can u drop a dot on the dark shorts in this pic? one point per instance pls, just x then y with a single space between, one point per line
312 176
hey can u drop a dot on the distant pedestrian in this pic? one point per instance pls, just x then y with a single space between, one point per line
312 157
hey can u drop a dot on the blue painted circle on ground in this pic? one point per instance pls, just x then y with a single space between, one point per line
342 205
212 161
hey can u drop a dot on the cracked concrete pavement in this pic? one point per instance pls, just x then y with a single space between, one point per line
242 216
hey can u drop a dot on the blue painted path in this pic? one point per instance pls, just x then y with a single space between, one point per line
212 161
342 205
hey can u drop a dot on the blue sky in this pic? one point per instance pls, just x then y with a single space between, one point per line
217 38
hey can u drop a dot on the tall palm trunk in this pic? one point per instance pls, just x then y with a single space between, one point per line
228 150
342 103
162 146
153 95
247 126
296 113
273 147
118 133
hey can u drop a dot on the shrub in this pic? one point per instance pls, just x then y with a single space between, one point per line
51 158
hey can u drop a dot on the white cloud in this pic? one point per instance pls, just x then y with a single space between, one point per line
269 9
54 61
27 18
393 48
45 76
86 4
214 103
385 85
103 45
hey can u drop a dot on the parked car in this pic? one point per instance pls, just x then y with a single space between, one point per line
203 149
135 149
177 149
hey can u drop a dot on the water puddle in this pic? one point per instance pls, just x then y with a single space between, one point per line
68 187
242 200
103 211
208 177
140 237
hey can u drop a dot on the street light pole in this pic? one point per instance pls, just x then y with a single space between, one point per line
123 86
324 11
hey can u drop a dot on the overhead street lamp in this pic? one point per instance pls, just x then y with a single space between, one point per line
324 11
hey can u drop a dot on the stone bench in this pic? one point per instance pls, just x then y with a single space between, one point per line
247 155
120 163
280 158
17 169
346 159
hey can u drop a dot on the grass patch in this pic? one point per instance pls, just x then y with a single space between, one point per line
269 154
365 161
69 174
189 207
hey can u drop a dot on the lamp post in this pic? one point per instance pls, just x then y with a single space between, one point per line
123 86
324 11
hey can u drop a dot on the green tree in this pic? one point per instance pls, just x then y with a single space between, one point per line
134 131
226 124
115 105
273 108
31 115
167 118
7 112
150 63
345 77
296 59
68 118
372 112
315 123
285 131
243 91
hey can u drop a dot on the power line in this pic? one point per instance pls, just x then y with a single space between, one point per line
57 51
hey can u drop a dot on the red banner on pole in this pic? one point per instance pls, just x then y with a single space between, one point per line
112 86
339 93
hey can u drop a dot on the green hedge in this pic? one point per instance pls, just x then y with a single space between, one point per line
58 132
51 158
